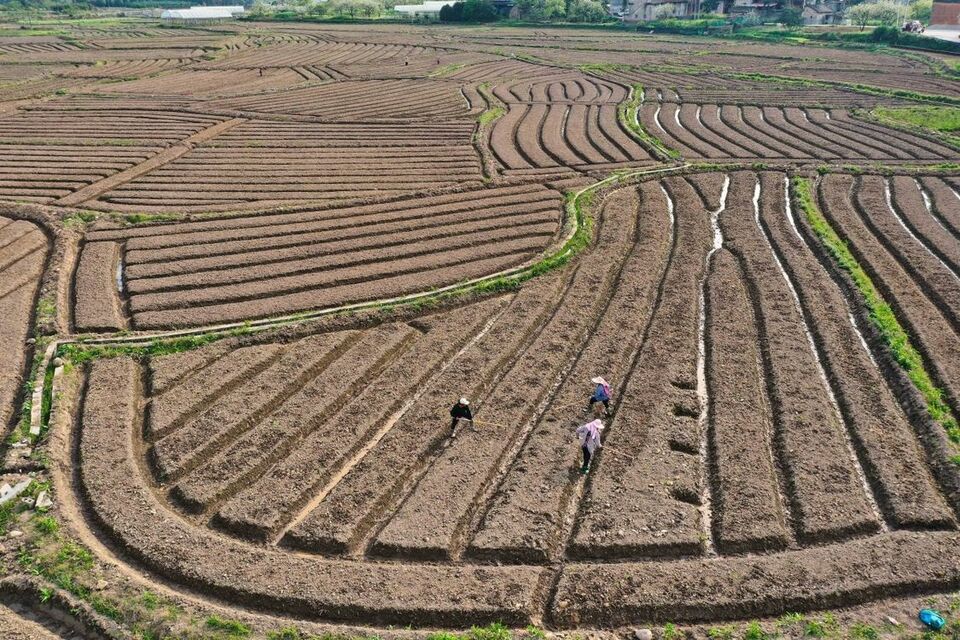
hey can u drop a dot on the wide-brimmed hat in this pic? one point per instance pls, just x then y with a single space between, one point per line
598 380
464 401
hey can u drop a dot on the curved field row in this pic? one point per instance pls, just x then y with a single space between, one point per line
23 254
260 164
727 417
180 274
730 131
352 100
126 68
576 89
920 286
319 53
211 83
546 135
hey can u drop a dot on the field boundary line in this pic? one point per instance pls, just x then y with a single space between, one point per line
166 156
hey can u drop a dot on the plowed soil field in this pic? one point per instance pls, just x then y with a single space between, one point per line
265 263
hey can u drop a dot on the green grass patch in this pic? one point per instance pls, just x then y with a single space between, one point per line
627 113
79 353
232 628
490 115
944 120
447 70
881 313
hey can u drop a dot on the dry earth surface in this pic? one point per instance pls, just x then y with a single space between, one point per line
766 452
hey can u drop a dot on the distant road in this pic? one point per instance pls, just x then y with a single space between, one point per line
943 32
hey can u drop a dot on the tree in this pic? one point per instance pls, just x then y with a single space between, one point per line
479 11
860 15
885 13
663 12
586 11
921 10
791 17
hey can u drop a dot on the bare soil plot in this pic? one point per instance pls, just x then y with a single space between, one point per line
292 445
562 122
234 268
351 100
259 164
23 253
745 131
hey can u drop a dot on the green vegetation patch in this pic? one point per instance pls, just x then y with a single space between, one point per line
944 120
627 112
881 314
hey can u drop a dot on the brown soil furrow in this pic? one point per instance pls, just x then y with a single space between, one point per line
608 333
691 122
284 429
649 120
423 279
529 137
732 117
330 277
669 115
777 119
139 525
164 157
642 493
748 514
596 136
827 495
156 275
756 586
178 453
710 117
931 332
945 202
96 304
269 504
881 432
454 480
852 146
554 139
921 147
20 248
15 231
257 226
577 136
210 250
757 124
351 508
171 409
911 208
170 370
609 126
21 282
819 118
936 278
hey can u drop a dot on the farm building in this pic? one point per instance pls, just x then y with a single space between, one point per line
202 14
429 9
945 14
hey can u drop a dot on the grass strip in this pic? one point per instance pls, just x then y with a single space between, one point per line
627 112
881 314
942 121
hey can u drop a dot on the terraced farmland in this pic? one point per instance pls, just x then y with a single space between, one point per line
249 268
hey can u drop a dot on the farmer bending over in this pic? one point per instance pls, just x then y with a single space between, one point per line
589 435
601 394
460 411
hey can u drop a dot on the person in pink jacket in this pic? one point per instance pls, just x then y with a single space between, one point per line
589 436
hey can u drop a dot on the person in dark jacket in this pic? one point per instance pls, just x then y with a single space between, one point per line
460 411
